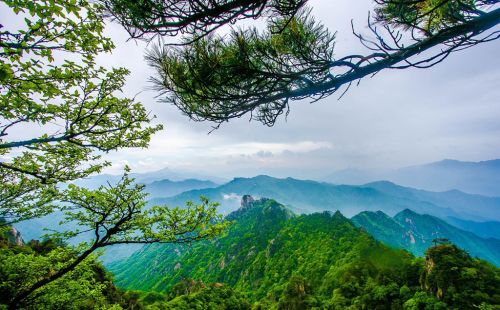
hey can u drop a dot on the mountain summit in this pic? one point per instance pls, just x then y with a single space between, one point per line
280 260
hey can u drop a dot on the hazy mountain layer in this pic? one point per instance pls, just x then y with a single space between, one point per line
481 178
415 233
309 196
167 188
489 229
460 202
148 177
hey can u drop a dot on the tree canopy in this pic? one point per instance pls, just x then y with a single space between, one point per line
59 113
216 77
59 110
149 18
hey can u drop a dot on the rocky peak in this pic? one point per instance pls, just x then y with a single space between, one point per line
13 236
247 201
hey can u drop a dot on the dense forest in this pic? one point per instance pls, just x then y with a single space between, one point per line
272 258
89 286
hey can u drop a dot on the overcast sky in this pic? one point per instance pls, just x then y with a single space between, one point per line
398 118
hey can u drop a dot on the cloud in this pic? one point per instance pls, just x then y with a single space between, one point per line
117 166
232 196
267 149
264 154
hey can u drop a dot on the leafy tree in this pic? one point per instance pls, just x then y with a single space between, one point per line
458 280
59 112
87 286
190 294
422 300
296 295
144 19
115 215
214 77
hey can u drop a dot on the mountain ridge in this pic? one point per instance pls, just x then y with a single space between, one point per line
415 232
482 177
312 261
305 196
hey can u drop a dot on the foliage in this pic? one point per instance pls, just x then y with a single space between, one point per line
457 279
197 295
278 260
428 16
149 18
246 67
59 113
115 215
88 286
216 77
69 107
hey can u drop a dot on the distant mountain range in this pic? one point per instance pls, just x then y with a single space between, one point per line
415 232
489 229
469 212
379 198
471 177
150 177
305 196
167 188
482 178
34 229
460 202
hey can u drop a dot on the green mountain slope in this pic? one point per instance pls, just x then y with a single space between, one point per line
265 247
415 232
460 202
280 260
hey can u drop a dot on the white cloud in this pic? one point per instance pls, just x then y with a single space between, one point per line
232 196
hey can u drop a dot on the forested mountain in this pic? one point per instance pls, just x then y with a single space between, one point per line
481 178
487 207
305 196
281 260
415 233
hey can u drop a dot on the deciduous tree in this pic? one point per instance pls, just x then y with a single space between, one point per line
59 112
